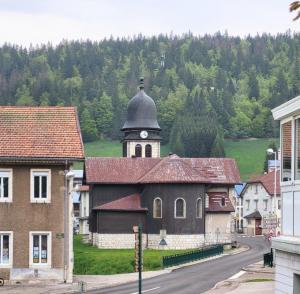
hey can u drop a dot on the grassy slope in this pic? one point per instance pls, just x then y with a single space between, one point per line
90 260
250 154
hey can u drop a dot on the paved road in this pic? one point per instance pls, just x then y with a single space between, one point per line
198 278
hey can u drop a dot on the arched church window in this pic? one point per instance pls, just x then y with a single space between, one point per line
148 150
157 208
180 208
199 208
138 150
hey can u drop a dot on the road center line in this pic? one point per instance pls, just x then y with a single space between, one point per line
239 274
145 291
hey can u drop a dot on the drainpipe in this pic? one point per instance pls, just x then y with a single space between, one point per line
68 231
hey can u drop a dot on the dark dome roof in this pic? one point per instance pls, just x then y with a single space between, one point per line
141 113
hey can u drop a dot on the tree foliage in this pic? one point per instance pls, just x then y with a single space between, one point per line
238 79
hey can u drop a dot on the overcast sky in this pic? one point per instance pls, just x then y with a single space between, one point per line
39 21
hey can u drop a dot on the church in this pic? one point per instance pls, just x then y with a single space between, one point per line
180 202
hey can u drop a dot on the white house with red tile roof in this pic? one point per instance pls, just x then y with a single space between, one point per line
259 199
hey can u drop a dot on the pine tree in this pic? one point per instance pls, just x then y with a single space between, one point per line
88 126
103 113
23 97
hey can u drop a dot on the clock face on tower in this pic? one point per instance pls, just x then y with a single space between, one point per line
143 134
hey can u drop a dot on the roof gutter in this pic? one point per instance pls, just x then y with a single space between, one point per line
40 159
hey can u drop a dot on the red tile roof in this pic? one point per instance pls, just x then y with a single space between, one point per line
215 202
267 181
40 132
128 203
171 169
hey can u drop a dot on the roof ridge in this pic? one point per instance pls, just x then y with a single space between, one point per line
140 179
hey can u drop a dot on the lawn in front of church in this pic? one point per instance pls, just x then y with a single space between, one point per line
90 260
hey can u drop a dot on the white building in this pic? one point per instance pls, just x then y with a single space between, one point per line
287 245
258 203
84 210
239 209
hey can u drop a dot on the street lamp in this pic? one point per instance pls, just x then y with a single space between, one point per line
270 151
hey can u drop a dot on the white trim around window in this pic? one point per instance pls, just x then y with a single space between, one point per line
184 208
38 193
155 208
6 263
42 257
6 193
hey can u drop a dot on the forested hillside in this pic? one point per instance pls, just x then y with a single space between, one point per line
229 82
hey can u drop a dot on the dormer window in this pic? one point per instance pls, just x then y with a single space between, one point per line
223 203
40 186
5 185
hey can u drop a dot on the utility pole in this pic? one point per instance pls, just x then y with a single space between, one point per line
140 258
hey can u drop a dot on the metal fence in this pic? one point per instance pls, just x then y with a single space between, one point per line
192 255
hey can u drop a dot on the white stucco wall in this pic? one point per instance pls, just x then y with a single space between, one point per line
250 195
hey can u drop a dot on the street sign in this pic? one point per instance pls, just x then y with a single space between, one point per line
270 222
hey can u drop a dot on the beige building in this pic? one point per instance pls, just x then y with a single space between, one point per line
37 149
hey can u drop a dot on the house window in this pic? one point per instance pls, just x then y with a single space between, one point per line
279 203
256 202
180 208
265 204
40 248
5 185
223 203
6 239
138 150
157 208
247 204
199 208
40 185
286 154
148 150
256 189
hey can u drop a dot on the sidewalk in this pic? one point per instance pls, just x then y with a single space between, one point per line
96 281
254 278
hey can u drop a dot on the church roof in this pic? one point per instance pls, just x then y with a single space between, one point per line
128 203
170 169
141 113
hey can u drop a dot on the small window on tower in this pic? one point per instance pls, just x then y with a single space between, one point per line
138 150
148 150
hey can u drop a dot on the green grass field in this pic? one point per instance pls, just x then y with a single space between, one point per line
249 153
90 260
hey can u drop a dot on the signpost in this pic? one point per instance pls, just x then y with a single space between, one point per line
270 223
138 253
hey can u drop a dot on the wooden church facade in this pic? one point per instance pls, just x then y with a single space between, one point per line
171 196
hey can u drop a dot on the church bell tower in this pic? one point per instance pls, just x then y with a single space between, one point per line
141 130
